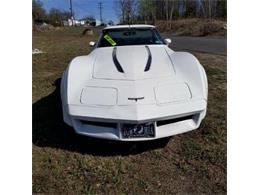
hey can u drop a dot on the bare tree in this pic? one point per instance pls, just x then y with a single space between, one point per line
147 10
38 12
125 10
210 7
221 9
119 9
130 8
172 6
56 16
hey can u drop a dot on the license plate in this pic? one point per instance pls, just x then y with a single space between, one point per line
138 130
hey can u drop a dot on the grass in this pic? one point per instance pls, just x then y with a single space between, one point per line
63 162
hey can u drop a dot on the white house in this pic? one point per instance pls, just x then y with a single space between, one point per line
82 22
98 22
71 22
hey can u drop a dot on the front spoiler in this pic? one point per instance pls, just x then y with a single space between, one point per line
135 114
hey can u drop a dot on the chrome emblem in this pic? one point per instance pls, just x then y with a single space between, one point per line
136 99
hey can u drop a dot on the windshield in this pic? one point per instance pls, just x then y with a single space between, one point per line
129 36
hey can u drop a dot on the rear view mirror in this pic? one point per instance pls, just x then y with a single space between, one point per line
92 43
167 41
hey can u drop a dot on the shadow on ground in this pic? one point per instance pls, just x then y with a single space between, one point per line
49 130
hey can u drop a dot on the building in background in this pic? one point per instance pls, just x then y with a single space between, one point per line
81 22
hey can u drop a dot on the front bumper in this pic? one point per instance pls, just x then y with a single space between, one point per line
106 122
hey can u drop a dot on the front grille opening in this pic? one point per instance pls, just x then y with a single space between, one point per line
99 124
175 120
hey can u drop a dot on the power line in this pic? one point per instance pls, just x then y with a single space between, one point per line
100 6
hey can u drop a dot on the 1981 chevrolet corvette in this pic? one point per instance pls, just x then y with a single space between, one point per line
132 87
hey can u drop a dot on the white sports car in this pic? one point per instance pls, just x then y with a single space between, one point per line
133 87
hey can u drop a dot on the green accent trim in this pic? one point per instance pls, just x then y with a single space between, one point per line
110 40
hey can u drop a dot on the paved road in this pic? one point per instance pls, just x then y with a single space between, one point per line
199 44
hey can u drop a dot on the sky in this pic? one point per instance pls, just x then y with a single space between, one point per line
83 8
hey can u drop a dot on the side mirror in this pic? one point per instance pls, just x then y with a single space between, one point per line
167 41
92 43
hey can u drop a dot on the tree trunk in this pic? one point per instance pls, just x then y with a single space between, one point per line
167 13
209 4
171 13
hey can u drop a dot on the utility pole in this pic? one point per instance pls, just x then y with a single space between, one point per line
71 13
100 6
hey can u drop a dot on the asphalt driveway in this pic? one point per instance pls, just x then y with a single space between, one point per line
199 44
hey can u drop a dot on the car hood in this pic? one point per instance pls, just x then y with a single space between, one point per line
132 62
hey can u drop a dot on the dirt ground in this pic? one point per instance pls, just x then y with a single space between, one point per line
66 163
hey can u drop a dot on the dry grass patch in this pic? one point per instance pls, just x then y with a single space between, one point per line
194 27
